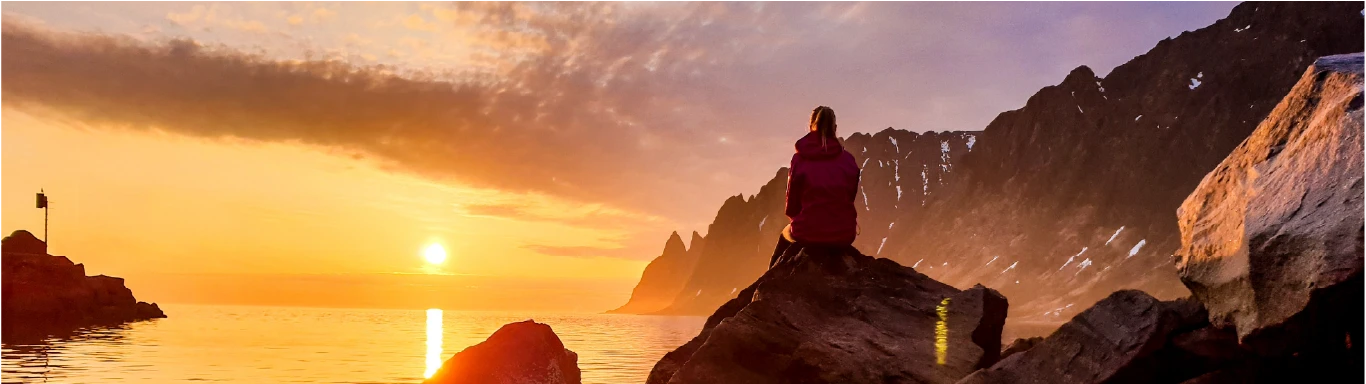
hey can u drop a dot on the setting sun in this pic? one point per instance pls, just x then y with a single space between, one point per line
434 254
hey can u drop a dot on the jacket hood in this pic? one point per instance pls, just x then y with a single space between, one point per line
810 147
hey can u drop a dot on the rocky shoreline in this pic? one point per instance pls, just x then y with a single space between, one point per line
1272 250
46 294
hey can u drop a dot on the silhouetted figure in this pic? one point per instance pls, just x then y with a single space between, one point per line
822 183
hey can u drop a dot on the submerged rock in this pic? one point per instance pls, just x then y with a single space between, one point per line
834 315
518 353
1272 238
45 293
1125 338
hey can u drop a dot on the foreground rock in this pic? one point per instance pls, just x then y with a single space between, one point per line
45 293
518 353
825 316
1129 337
1272 238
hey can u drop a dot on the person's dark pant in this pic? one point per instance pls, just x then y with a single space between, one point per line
778 250
784 247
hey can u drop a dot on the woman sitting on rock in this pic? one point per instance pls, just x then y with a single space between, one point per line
821 186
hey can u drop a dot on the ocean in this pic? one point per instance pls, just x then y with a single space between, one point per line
253 344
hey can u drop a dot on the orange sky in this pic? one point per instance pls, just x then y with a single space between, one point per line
305 153
132 204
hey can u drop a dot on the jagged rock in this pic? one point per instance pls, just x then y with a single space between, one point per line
664 277
837 316
1125 338
1020 345
1272 238
45 294
525 352
22 241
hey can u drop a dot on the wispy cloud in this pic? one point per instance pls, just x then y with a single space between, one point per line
655 109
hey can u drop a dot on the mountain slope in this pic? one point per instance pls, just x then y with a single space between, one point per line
1071 197
1074 195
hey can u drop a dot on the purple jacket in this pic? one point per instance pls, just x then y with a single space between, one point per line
821 186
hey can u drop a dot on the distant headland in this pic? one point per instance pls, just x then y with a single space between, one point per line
46 294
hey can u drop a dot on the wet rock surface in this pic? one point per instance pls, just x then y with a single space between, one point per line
47 294
834 315
525 352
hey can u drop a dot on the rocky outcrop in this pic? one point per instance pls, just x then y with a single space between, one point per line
1020 345
1129 337
518 353
1071 197
1272 238
664 277
45 293
835 316
900 170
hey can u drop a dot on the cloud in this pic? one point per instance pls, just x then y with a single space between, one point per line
619 104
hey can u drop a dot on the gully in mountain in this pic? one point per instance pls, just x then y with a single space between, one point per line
822 184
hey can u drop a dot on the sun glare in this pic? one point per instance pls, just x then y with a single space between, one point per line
434 254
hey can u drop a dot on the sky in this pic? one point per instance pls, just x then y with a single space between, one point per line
306 153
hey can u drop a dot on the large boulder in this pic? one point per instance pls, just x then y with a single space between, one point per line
1129 337
834 315
518 353
1272 238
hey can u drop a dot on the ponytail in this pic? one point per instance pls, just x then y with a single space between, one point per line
823 123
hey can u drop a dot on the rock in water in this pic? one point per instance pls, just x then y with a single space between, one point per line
45 294
1271 240
1125 338
837 316
518 353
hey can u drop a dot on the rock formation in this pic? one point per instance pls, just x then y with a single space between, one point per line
518 353
664 277
45 293
900 170
1272 244
823 315
1272 238
1127 337
1069 198
1020 345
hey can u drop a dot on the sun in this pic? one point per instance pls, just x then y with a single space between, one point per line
434 254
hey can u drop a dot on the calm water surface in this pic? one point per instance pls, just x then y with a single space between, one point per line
323 345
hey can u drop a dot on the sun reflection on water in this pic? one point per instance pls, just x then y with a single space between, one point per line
433 342
941 333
